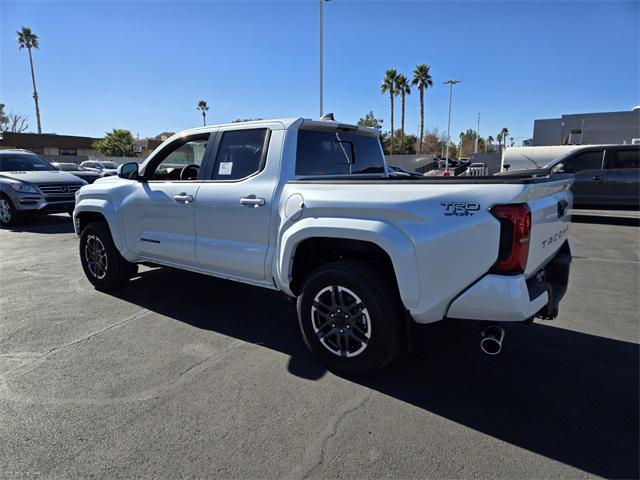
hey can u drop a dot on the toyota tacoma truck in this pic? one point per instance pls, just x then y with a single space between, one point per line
309 207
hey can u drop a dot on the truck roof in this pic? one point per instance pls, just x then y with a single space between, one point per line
286 123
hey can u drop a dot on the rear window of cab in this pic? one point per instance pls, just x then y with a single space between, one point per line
321 152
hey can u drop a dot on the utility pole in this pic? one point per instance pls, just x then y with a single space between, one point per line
475 150
321 6
451 83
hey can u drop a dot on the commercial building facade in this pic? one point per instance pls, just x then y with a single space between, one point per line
588 129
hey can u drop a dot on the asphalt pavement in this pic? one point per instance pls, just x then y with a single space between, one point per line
182 375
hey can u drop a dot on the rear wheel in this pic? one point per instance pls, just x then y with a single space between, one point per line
9 216
103 265
351 317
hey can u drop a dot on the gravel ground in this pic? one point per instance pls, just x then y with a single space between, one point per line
181 375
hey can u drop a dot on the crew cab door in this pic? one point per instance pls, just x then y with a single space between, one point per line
623 176
590 178
158 217
234 203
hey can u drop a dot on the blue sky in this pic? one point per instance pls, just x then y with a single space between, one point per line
144 65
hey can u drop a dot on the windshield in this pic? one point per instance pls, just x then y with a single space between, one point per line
110 165
337 153
23 162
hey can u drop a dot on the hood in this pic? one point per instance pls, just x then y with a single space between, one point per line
47 176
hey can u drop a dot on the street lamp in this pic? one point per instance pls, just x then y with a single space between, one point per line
321 5
451 83
475 150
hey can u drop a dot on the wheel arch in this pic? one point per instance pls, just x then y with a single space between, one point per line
368 240
99 210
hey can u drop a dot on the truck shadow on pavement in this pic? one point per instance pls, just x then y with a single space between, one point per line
569 396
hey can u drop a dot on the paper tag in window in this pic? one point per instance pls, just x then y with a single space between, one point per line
225 168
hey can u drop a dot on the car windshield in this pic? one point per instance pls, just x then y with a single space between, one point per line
110 165
23 162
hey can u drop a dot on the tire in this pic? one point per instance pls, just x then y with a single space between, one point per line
9 216
103 265
364 336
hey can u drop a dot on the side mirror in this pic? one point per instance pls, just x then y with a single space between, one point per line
128 171
559 168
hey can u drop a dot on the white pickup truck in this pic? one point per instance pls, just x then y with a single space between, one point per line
311 209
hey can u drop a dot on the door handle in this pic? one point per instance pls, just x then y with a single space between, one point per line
252 201
596 178
183 197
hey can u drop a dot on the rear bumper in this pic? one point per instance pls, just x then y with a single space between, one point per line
502 298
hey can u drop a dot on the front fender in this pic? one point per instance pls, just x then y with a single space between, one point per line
106 209
395 243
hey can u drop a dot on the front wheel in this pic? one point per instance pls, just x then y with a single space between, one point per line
8 214
351 317
103 265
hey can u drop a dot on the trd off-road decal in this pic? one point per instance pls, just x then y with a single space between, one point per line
460 209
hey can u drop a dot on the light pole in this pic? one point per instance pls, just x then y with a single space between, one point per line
451 83
475 150
321 5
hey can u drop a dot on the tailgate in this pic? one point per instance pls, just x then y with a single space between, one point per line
549 203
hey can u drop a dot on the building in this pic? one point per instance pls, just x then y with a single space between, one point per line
50 144
588 129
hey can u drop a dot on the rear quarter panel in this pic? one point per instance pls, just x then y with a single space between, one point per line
450 251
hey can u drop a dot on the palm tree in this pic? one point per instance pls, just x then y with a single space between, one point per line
203 107
423 80
27 39
504 132
488 143
389 86
402 89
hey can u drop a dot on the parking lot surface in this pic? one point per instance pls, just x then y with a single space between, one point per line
182 375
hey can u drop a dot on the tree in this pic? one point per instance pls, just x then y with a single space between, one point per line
489 143
370 120
241 120
389 86
402 88
204 108
502 136
117 143
422 79
29 40
408 148
13 122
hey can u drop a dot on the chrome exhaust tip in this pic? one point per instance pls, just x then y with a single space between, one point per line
491 342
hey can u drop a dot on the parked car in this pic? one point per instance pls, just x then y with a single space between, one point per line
86 174
105 168
30 185
605 176
308 208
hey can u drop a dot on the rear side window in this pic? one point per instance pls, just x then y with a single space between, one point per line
337 153
584 161
625 159
241 154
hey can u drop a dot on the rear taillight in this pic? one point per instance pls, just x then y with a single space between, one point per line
515 232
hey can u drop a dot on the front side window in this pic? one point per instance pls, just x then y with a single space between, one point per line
241 154
337 153
23 163
181 160
583 161
625 158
